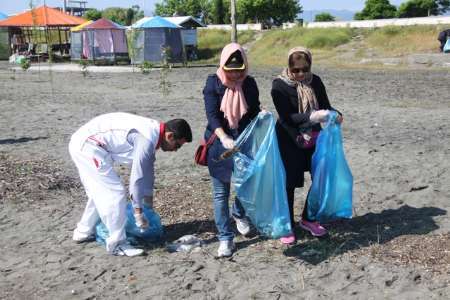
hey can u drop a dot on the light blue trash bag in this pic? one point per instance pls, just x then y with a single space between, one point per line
330 196
446 48
152 234
259 178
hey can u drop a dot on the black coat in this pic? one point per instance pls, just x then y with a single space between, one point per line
296 160
213 94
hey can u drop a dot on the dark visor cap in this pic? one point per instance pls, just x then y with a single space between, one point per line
235 62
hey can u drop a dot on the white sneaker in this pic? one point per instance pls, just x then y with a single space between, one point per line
243 226
80 237
226 248
126 249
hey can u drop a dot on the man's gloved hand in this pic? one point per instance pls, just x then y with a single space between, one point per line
141 219
319 116
227 142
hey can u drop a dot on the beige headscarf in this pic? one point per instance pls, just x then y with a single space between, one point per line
233 105
307 100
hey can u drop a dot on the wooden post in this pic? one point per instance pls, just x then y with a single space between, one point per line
233 22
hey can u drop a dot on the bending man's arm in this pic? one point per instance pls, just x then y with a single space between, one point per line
142 176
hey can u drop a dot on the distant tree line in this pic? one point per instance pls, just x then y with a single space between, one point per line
383 9
269 12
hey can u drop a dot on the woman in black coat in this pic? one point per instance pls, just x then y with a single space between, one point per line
302 103
231 102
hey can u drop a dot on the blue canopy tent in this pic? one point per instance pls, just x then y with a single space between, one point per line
155 39
3 16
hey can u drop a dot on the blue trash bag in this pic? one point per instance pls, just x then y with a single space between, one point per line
259 178
330 196
152 234
446 48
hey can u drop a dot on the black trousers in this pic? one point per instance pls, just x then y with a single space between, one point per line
290 198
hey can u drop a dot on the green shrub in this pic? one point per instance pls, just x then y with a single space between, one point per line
273 47
211 42
84 63
146 67
25 64
398 40
391 30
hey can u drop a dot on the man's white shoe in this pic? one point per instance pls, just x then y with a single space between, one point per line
226 248
243 226
126 249
80 237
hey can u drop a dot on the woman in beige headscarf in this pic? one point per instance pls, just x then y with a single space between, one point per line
302 103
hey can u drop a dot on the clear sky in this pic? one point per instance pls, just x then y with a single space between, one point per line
16 6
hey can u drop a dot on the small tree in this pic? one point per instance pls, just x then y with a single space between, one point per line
218 14
116 14
268 11
25 64
377 9
92 14
422 8
169 8
324 17
123 16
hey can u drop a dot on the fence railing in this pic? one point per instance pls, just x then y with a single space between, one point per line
353 24
257 26
382 22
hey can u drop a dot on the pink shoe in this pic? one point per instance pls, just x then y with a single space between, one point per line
314 227
289 239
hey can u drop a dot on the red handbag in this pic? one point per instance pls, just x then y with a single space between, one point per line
202 151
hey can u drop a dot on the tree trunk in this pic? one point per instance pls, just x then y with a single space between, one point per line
233 22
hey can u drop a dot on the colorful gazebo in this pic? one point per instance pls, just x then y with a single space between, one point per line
76 40
40 29
102 40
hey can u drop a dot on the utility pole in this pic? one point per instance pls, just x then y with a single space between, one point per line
233 22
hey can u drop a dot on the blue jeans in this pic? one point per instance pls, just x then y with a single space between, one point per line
221 193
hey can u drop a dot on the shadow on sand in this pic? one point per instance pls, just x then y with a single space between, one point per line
21 140
175 231
366 230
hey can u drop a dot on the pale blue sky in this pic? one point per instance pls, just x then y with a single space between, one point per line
16 6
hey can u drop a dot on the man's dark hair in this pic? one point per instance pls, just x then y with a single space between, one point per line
180 129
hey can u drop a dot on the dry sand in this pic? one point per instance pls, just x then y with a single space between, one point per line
397 246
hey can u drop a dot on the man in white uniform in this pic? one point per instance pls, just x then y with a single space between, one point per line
126 139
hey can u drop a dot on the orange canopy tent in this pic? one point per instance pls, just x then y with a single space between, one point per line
42 16
42 26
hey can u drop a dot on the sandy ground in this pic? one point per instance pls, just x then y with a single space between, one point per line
397 246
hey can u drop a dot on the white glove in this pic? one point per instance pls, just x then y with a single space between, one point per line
227 142
141 220
319 116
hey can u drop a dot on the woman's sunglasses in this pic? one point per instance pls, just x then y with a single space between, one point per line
298 70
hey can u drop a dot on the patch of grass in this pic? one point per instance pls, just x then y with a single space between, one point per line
211 42
25 64
339 47
396 41
273 47
428 251
146 66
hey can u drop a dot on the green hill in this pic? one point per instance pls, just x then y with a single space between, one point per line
330 46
